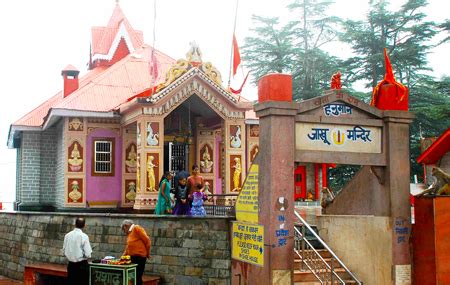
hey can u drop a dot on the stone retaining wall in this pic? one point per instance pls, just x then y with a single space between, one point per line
185 250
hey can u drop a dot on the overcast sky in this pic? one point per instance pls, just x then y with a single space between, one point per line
39 38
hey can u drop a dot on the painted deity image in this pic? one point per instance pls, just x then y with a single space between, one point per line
130 163
237 174
151 174
206 163
74 190
75 160
131 190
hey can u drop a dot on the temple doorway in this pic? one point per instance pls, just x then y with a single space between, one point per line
193 135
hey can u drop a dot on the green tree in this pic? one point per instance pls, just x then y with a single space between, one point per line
430 101
404 33
295 48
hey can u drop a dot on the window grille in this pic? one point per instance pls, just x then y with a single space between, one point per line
103 157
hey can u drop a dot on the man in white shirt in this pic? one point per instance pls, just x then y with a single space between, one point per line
77 249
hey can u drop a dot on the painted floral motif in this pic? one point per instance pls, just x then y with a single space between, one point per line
75 124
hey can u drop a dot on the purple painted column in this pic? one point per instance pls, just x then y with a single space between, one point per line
276 113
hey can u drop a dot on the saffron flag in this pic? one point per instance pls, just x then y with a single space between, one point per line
238 91
236 55
390 94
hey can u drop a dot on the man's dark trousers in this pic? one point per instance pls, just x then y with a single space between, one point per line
140 261
78 273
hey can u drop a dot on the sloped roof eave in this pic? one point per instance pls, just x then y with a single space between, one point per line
52 117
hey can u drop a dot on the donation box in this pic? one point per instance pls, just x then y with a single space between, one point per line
108 274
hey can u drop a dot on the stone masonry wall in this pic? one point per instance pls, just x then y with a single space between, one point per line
185 250
60 159
31 160
48 168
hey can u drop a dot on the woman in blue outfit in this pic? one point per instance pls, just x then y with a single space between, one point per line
163 205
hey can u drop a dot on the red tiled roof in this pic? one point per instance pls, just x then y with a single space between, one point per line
437 150
103 89
103 37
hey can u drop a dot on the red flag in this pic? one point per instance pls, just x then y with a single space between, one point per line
236 55
240 89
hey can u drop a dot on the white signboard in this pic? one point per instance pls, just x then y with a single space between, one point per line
342 138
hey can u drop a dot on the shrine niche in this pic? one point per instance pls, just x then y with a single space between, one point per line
235 173
74 190
75 157
254 131
130 190
131 157
152 170
76 124
152 134
235 136
206 162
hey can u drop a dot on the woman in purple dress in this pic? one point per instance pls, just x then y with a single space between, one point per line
182 206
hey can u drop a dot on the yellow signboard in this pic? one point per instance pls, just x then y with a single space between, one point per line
247 201
248 243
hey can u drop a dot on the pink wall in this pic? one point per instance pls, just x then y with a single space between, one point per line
104 188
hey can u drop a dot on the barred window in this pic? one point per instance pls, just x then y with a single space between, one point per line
103 157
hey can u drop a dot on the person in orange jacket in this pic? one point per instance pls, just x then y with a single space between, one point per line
138 247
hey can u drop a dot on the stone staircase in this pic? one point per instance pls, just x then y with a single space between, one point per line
315 262
303 276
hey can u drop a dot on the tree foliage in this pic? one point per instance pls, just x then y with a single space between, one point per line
295 47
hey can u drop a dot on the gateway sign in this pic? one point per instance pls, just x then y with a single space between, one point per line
339 138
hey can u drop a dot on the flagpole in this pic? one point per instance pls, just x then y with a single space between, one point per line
231 52
153 50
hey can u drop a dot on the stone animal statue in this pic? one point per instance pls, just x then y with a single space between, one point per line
327 197
441 185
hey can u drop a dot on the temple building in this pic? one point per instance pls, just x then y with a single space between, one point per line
108 136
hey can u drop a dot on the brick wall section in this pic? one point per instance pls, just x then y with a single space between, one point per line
185 250
18 174
60 159
48 166
31 162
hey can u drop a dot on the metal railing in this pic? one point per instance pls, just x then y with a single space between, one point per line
310 257
221 205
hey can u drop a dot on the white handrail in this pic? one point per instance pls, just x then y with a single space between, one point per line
327 248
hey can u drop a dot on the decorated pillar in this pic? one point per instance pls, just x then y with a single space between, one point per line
276 206
129 168
150 160
75 162
206 156
235 162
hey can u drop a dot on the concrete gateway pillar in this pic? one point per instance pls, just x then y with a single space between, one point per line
276 113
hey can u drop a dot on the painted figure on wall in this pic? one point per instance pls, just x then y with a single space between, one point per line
130 163
131 191
74 194
75 160
254 152
206 163
138 139
254 131
235 140
237 174
138 173
75 124
152 135
151 174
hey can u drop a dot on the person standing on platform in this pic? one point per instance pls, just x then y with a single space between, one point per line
182 206
138 247
164 205
195 182
77 250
